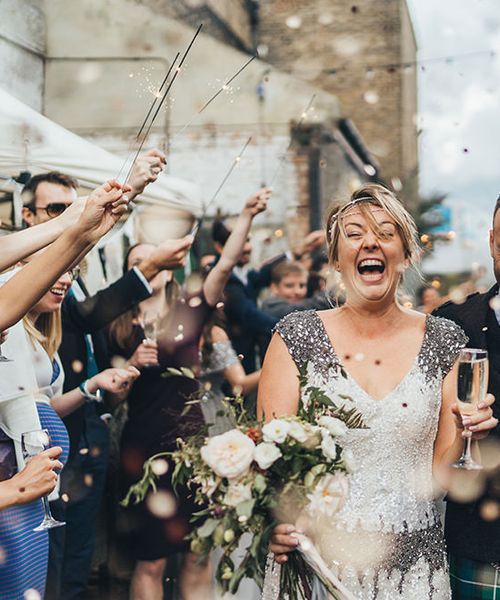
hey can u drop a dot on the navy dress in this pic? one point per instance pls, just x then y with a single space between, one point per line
24 552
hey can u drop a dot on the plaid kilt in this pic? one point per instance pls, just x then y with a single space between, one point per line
472 580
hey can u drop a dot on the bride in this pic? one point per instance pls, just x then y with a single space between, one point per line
397 367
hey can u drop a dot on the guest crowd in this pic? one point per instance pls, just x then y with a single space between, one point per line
91 370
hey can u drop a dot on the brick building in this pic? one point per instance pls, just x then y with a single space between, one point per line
93 62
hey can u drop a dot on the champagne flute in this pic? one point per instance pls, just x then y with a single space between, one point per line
150 326
32 443
472 387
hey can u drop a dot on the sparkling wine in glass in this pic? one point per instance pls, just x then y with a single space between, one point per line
472 387
150 326
32 443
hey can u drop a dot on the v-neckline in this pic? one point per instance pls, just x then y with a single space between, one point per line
414 363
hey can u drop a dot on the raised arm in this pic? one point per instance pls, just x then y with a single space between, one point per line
102 210
17 246
218 276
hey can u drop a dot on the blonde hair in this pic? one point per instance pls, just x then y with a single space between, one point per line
47 330
373 195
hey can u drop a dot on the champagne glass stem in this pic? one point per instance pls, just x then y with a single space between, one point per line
467 454
46 508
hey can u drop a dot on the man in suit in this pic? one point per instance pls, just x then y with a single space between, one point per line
473 529
83 353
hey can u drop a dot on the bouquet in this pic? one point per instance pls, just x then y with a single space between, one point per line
246 478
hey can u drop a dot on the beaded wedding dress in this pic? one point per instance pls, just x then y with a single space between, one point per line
386 542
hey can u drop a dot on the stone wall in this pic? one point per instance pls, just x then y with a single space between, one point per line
22 47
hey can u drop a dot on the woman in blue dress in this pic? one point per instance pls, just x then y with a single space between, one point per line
32 347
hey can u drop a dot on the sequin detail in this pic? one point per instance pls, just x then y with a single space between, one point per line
391 500
221 357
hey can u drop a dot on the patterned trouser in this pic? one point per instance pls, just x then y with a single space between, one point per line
472 580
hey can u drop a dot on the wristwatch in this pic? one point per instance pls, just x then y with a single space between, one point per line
89 397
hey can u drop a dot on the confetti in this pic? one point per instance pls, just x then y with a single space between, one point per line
371 97
65 497
32 594
161 504
159 466
294 22
88 479
83 451
77 366
359 357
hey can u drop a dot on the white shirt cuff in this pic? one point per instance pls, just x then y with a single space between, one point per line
144 281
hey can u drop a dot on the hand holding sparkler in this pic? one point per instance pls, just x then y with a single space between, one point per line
145 170
257 202
170 254
103 208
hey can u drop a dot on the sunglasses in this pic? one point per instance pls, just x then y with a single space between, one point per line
53 209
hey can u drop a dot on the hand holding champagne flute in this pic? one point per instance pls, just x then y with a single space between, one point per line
471 390
33 443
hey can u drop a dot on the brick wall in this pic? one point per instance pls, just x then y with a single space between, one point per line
333 45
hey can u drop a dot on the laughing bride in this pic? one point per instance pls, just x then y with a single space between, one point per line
398 369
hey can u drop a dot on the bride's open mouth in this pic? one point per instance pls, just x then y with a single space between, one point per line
371 269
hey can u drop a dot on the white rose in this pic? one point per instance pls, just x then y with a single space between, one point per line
237 493
276 431
229 454
266 454
334 426
329 495
297 432
329 447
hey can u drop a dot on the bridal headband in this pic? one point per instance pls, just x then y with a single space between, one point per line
346 207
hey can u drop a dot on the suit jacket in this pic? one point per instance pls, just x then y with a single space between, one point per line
248 325
90 316
467 534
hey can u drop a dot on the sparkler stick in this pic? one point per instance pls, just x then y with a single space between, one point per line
217 93
196 226
149 112
177 70
301 120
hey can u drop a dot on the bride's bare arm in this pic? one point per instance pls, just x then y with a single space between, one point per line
451 434
279 396
279 384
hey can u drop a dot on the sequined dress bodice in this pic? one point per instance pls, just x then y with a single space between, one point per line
386 542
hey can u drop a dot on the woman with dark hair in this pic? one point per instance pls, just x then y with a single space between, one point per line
156 406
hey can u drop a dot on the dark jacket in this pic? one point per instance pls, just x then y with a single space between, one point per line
91 316
279 308
468 535
248 325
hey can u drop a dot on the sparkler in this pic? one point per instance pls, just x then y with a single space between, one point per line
196 226
223 88
157 95
163 98
301 120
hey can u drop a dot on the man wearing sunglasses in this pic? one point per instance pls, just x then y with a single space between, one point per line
46 196
83 352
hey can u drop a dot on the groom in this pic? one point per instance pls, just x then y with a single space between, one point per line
473 530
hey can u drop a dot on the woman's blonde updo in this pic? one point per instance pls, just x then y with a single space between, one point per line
373 194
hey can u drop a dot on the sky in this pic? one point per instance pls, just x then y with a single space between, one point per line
459 111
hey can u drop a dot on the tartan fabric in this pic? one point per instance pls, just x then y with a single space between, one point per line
473 580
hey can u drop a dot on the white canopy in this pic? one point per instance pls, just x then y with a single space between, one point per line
31 142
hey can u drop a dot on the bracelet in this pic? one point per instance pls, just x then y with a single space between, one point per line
89 397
